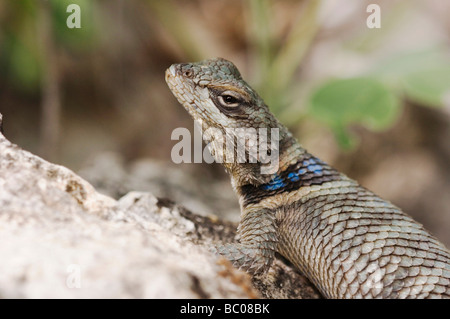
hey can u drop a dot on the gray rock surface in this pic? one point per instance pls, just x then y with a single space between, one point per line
111 175
60 238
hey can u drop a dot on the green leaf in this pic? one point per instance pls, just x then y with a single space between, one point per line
342 102
404 63
428 87
423 76
345 139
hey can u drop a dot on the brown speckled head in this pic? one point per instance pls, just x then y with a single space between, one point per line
214 92
216 96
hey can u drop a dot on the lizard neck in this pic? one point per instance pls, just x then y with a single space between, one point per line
288 153
298 170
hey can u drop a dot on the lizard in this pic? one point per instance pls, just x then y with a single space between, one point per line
348 241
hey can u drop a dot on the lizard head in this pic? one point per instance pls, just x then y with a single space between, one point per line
219 100
214 92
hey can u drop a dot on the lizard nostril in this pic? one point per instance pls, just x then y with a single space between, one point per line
188 73
185 69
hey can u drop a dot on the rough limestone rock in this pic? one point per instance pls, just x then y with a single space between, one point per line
60 238
110 174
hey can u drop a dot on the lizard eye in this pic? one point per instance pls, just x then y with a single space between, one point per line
229 102
228 99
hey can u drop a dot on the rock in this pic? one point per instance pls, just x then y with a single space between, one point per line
110 174
60 238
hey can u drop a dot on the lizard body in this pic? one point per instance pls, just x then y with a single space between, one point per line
349 242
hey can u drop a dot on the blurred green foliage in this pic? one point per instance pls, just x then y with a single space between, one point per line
278 62
372 99
422 77
19 55
74 39
342 102
21 49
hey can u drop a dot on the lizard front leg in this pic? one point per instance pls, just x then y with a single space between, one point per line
257 242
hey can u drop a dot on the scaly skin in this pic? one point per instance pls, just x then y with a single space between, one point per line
349 242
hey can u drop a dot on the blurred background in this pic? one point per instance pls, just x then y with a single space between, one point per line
374 103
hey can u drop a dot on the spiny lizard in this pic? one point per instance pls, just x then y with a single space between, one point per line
349 242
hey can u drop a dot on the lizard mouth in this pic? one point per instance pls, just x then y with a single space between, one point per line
170 75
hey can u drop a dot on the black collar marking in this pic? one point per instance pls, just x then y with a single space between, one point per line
307 171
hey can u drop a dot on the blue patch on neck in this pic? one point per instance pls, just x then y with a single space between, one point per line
293 177
306 172
306 167
274 184
316 169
